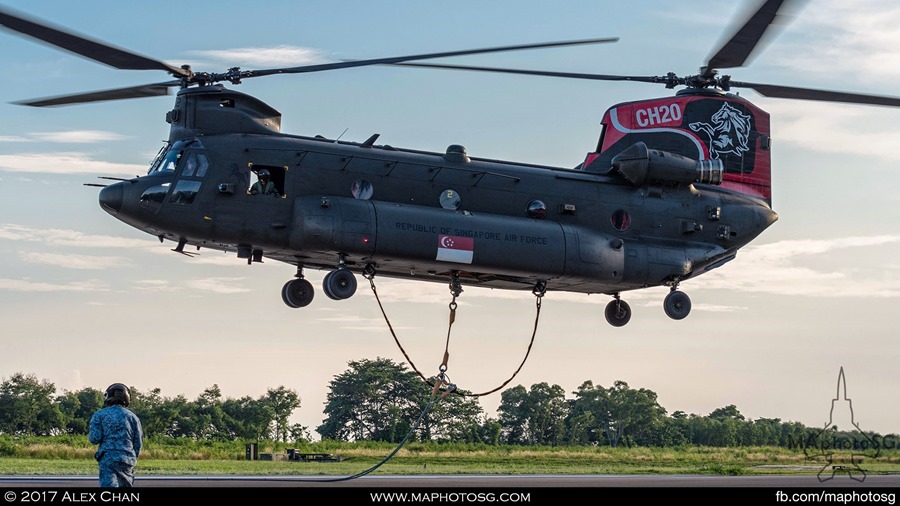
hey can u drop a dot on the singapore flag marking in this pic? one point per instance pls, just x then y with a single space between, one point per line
453 248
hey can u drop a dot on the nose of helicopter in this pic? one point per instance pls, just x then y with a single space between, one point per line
111 198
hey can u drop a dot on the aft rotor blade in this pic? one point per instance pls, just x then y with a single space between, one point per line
147 90
736 51
427 56
83 46
570 75
776 91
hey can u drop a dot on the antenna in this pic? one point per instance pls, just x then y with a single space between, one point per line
342 134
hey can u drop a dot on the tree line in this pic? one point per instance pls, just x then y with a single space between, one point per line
380 400
31 407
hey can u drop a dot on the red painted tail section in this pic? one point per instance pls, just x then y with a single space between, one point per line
699 126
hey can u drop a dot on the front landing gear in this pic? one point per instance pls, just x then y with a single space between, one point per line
339 284
618 312
297 293
677 304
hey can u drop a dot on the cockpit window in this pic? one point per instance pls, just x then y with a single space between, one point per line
195 165
168 162
171 161
202 165
190 165
158 158
167 159
185 191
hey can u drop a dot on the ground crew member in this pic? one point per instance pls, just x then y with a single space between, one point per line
117 431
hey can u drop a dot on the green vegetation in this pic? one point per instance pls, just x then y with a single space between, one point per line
372 406
66 455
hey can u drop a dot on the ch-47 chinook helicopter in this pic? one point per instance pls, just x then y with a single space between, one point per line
676 185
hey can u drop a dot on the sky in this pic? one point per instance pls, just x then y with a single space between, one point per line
86 301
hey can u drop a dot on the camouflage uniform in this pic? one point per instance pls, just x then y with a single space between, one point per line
118 432
267 188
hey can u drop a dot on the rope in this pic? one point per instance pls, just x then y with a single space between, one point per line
412 430
538 295
438 382
380 306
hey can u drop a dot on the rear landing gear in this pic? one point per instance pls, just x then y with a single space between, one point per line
617 312
677 304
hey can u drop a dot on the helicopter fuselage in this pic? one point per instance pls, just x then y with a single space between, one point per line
413 214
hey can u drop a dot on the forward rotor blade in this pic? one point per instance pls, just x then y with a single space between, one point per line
776 91
736 51
571 75
81 45
147 90
427 56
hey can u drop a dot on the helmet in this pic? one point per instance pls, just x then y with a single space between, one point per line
263 174
117 393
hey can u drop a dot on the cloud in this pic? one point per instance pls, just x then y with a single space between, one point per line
853 39
153 285
777 269
218 285
72 261
228 260
838 128
226 286
354 322
277 56
715 308
63 237
75 238
66 163
785 250
78 136
25 285
13 138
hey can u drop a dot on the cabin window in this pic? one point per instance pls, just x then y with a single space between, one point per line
450 200
620 220
536 210
362 189
276 176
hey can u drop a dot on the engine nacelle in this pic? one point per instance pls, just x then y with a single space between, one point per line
639 165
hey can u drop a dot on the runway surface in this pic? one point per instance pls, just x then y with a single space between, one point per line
467 481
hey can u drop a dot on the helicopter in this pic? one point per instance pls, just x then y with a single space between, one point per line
674 188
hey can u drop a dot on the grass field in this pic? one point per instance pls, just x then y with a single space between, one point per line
73 455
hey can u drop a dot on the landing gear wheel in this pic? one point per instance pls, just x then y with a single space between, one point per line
677 305
339 284
326 286
618 313
297 293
